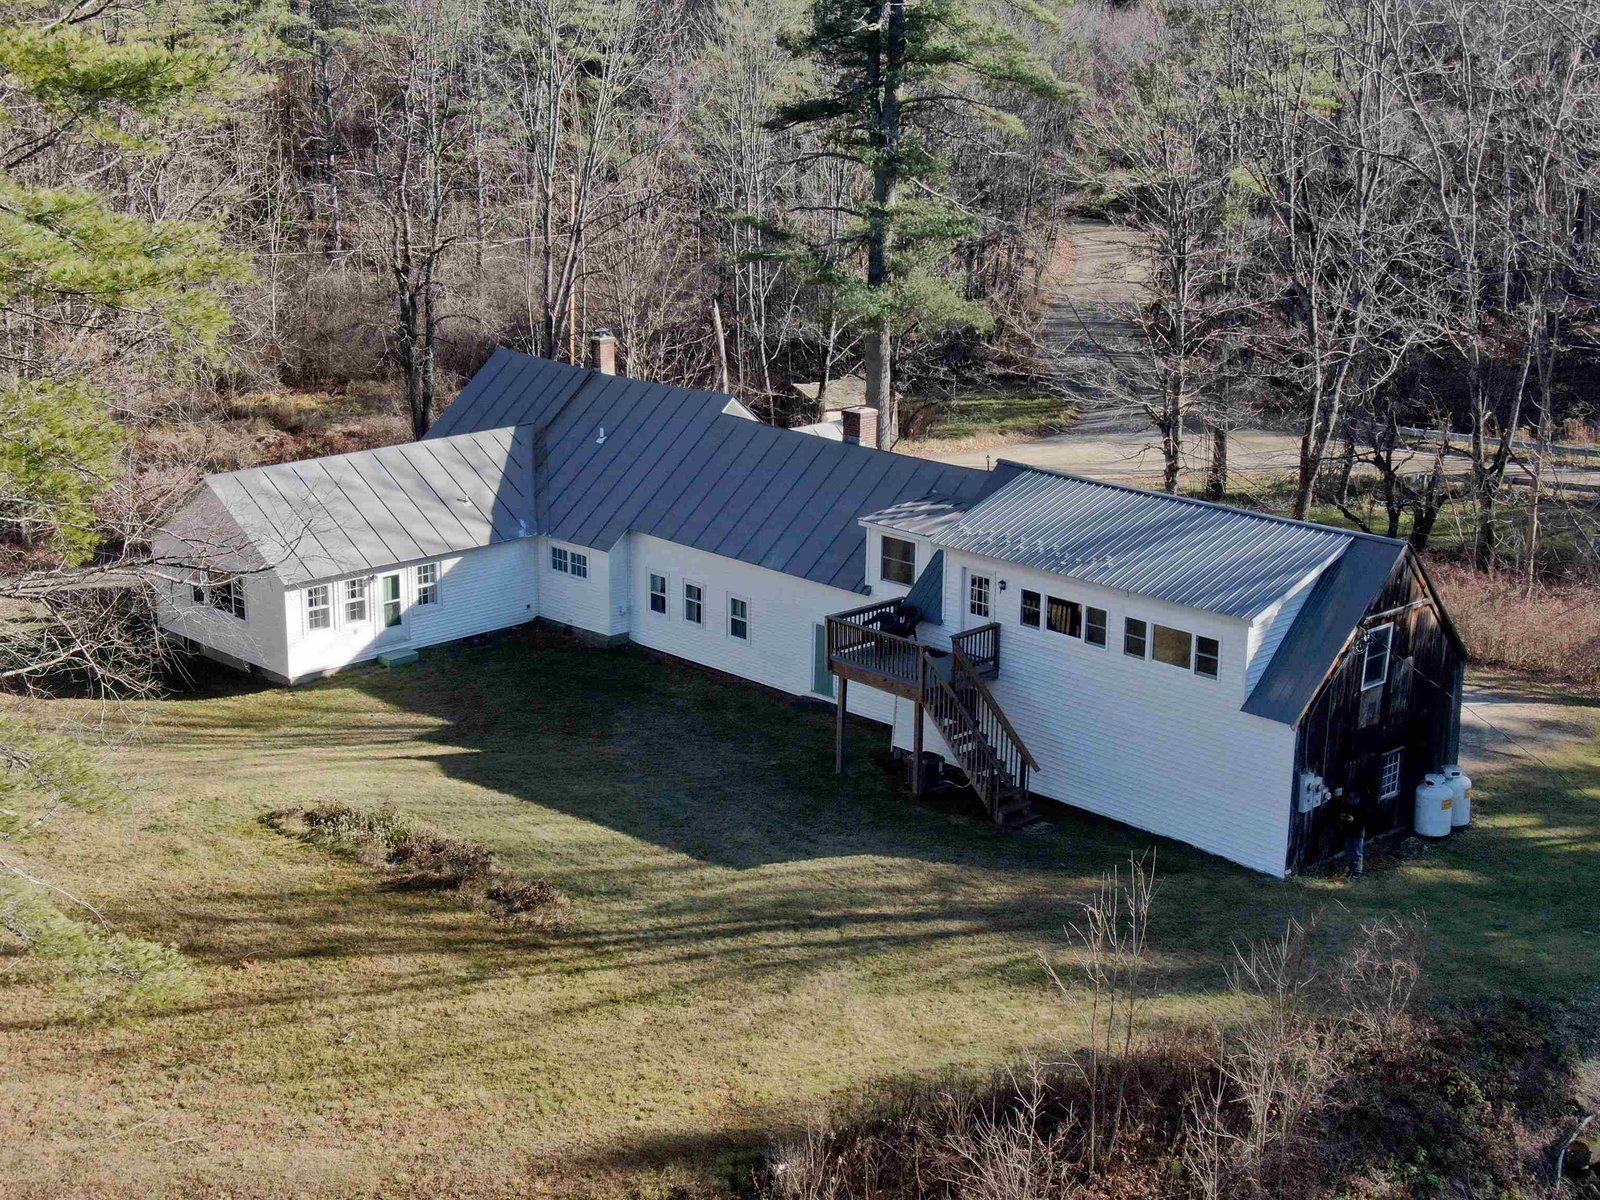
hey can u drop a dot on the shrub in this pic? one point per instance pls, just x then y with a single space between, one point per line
1553 632
385 837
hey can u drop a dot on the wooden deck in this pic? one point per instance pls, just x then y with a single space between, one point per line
876 645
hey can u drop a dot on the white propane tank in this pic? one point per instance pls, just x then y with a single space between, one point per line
1461 814
1435 799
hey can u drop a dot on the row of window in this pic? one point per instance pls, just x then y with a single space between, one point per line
1140 639
694 606
569 562
354 598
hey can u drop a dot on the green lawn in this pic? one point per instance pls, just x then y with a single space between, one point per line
993 412
752 936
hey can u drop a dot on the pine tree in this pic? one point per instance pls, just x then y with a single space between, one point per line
894 75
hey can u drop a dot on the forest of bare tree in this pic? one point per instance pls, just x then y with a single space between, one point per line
234 233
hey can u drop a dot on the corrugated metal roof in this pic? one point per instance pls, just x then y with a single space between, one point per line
1171 548
925 516
374 508
1326 621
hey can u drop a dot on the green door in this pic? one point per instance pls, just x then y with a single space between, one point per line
821 679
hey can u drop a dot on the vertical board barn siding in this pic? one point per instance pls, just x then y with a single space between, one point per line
1139 741
1348 754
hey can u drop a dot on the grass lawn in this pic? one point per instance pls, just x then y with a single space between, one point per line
1001 414
752 936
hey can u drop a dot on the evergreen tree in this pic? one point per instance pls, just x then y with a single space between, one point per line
894 76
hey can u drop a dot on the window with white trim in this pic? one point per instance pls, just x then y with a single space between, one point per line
978 595
658 593
1064 616
560 560
1135 637
897 562
694 603
580 565
1375 661
1173 646
1389 776
1030 609
319 606
739 618
355 601
427 584
1094 626
226 594
1207 657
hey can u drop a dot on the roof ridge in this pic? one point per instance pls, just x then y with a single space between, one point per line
346 454
1195 501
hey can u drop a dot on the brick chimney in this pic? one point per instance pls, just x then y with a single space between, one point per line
603 351
860 425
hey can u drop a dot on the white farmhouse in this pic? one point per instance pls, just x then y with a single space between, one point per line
1201 672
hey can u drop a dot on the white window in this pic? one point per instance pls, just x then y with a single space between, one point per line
978 595
694 604
580 565
355 601
1173 646
739 618
1207 657
319 606
1389 777
1375 665
1135 637
227 595
658 593
427 582
560 560
898 563
1094 626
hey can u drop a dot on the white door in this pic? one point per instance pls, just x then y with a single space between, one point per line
977 599
391 609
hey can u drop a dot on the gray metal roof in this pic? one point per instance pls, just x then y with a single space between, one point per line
927 593
1189 552
510 389
1329 618
352 512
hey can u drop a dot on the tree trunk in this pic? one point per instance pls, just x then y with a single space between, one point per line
1217 473
887 65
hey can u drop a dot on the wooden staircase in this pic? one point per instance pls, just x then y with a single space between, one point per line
950 689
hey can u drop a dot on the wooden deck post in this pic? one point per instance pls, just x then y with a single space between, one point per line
916 732
838 727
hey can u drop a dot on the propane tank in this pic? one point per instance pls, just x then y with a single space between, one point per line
1435 799
1461 813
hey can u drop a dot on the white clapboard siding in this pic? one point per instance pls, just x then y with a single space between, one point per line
257 640
567 600
494 587
1270 628
1142 742
784 613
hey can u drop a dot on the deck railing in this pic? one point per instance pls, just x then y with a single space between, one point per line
1004 742
981 646
856 638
